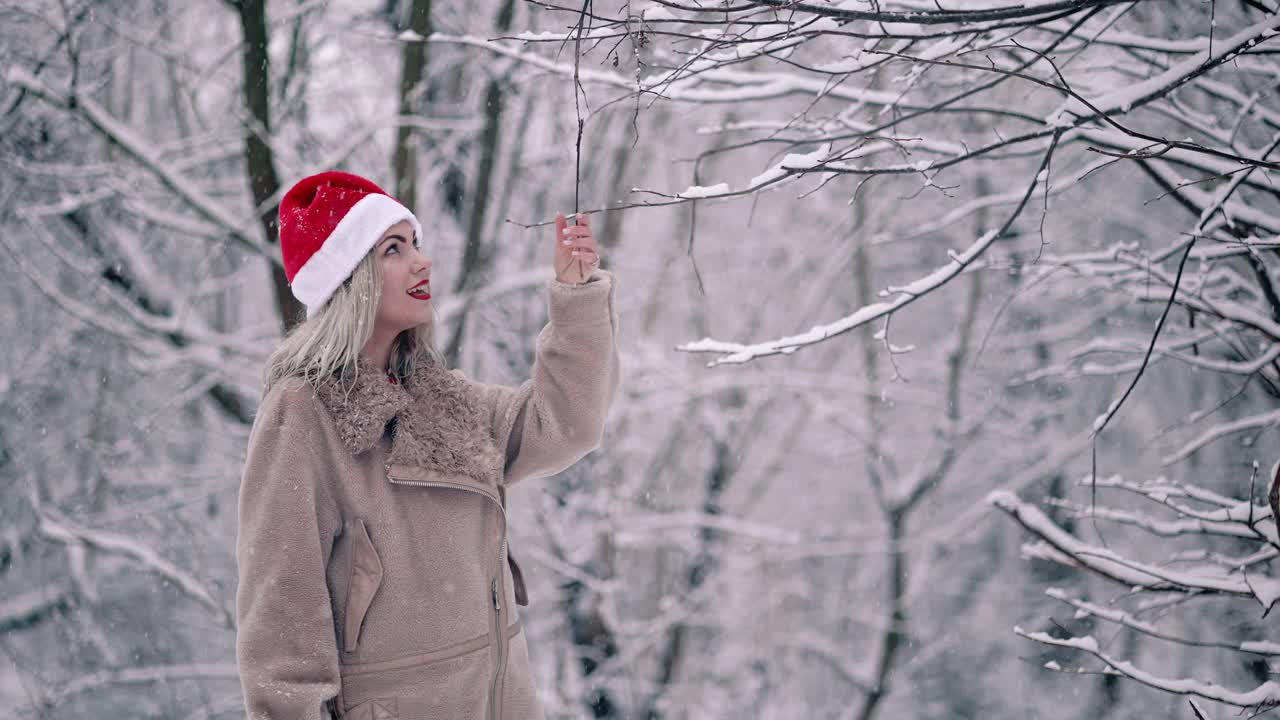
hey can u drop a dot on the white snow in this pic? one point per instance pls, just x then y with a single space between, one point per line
902 28
767 176
543 35
144 151
1084 642
740 353
655 12
1262 647
804 161
1125 97
701 191
850 64
62 530
822 24
1112 565
1265 589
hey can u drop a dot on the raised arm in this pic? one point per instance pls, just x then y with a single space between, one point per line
557 416
285 640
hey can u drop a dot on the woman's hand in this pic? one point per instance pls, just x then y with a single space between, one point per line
575 256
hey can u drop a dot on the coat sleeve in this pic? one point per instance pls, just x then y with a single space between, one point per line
557 416
286 646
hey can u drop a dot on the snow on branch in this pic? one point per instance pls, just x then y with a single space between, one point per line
1085 609
1265 695
1157 526
740 353
935 14
788 168
702 83
151 335
1221 430
1125 98
1109 564
144 675
142 151
1162 489
906 294
1158 586
60 529
1170 349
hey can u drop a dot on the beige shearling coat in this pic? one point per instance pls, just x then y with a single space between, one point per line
374 577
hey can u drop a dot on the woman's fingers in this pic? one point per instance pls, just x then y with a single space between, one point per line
576 255
575 249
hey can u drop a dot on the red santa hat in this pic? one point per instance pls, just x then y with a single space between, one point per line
328 223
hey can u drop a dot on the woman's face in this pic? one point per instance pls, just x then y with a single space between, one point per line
406 300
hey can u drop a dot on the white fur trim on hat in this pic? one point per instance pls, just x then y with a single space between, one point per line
357 232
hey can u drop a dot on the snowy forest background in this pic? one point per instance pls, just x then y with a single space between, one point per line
894 278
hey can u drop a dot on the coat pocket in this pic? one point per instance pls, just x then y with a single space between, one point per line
374 710
452 682
362 583
517 579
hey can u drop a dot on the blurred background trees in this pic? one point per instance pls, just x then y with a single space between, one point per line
939 258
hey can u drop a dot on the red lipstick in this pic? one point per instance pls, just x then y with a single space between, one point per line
419 291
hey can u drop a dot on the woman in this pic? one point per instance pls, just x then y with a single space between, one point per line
372 550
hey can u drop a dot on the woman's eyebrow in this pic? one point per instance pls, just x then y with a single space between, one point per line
391 237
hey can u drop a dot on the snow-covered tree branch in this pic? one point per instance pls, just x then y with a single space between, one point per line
1184 512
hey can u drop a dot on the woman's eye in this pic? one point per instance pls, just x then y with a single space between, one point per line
394 246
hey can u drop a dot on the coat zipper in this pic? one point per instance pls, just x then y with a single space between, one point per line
495 586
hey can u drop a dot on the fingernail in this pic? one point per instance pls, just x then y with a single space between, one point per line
566 242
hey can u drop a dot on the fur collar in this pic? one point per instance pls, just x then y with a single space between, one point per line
439 422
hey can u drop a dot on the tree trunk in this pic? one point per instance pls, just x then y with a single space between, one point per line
475 259
704 563
259 163
413 66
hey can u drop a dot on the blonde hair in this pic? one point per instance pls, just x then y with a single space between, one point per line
329 342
